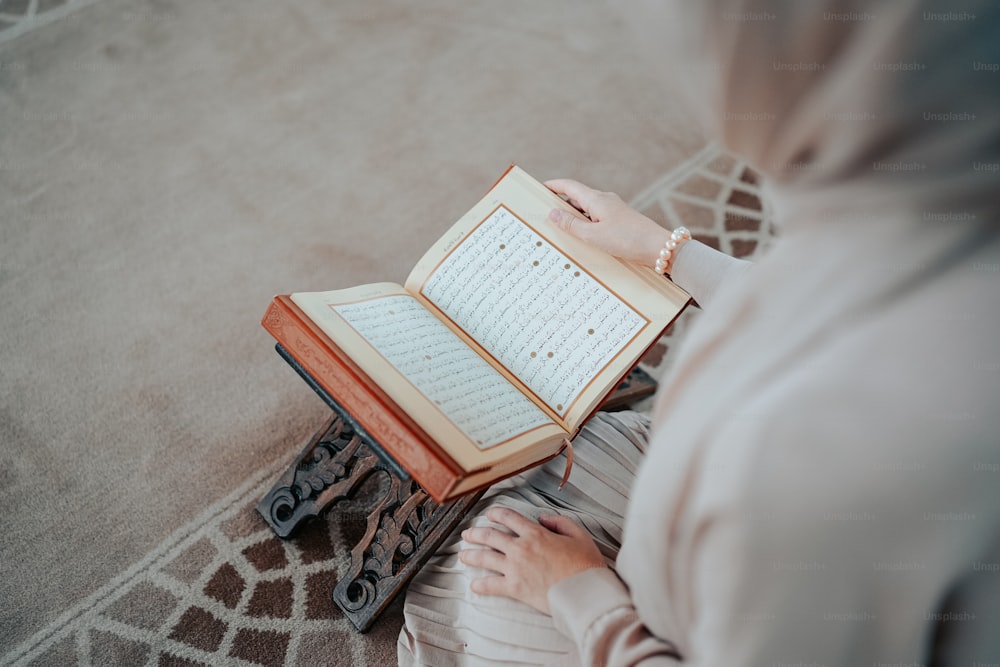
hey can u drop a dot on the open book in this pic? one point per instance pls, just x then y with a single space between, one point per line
507 335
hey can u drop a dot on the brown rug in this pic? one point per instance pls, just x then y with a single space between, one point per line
222 590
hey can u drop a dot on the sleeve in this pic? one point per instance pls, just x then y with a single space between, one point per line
758 600
778 564
701 271
594 609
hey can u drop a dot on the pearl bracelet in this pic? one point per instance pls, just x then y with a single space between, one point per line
678 237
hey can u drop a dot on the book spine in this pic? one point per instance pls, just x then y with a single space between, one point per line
356 396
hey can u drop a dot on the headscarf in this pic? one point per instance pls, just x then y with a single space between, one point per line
894 102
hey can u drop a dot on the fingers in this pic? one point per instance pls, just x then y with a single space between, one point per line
493 585
562 525
570 222
488 559
488 537
511 519
580 195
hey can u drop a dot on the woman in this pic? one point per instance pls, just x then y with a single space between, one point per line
821 484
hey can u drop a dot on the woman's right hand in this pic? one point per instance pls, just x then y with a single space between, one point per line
613 225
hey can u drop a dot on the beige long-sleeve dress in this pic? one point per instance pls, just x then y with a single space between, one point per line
837 505
821 481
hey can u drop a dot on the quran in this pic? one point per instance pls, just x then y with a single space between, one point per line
505 337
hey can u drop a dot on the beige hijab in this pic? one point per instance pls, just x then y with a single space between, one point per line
833 99
860 348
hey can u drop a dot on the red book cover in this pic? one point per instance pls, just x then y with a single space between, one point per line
397 433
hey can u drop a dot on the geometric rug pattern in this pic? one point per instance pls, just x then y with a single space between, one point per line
718 198
223 590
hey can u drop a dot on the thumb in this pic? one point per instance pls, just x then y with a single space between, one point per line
563 525
570 222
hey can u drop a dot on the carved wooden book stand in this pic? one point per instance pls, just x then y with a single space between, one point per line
405 527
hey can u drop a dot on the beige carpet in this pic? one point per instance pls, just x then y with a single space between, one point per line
165 168
224 590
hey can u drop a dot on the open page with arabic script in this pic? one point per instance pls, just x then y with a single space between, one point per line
507 334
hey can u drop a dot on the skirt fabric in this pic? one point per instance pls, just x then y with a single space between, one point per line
446 624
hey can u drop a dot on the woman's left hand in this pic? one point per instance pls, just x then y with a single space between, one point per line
532 559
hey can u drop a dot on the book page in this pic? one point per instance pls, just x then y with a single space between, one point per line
631 290
470 392
532 308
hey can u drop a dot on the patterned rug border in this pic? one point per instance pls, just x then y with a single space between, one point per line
163 553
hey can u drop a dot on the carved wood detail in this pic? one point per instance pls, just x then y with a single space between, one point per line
331 467
404 528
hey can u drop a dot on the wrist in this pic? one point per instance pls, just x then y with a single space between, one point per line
667 253
657 240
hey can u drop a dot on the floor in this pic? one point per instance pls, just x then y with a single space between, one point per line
166 168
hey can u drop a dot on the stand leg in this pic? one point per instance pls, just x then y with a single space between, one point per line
404 528
331 467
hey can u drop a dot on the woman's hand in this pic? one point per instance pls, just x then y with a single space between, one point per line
614 226
532 559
